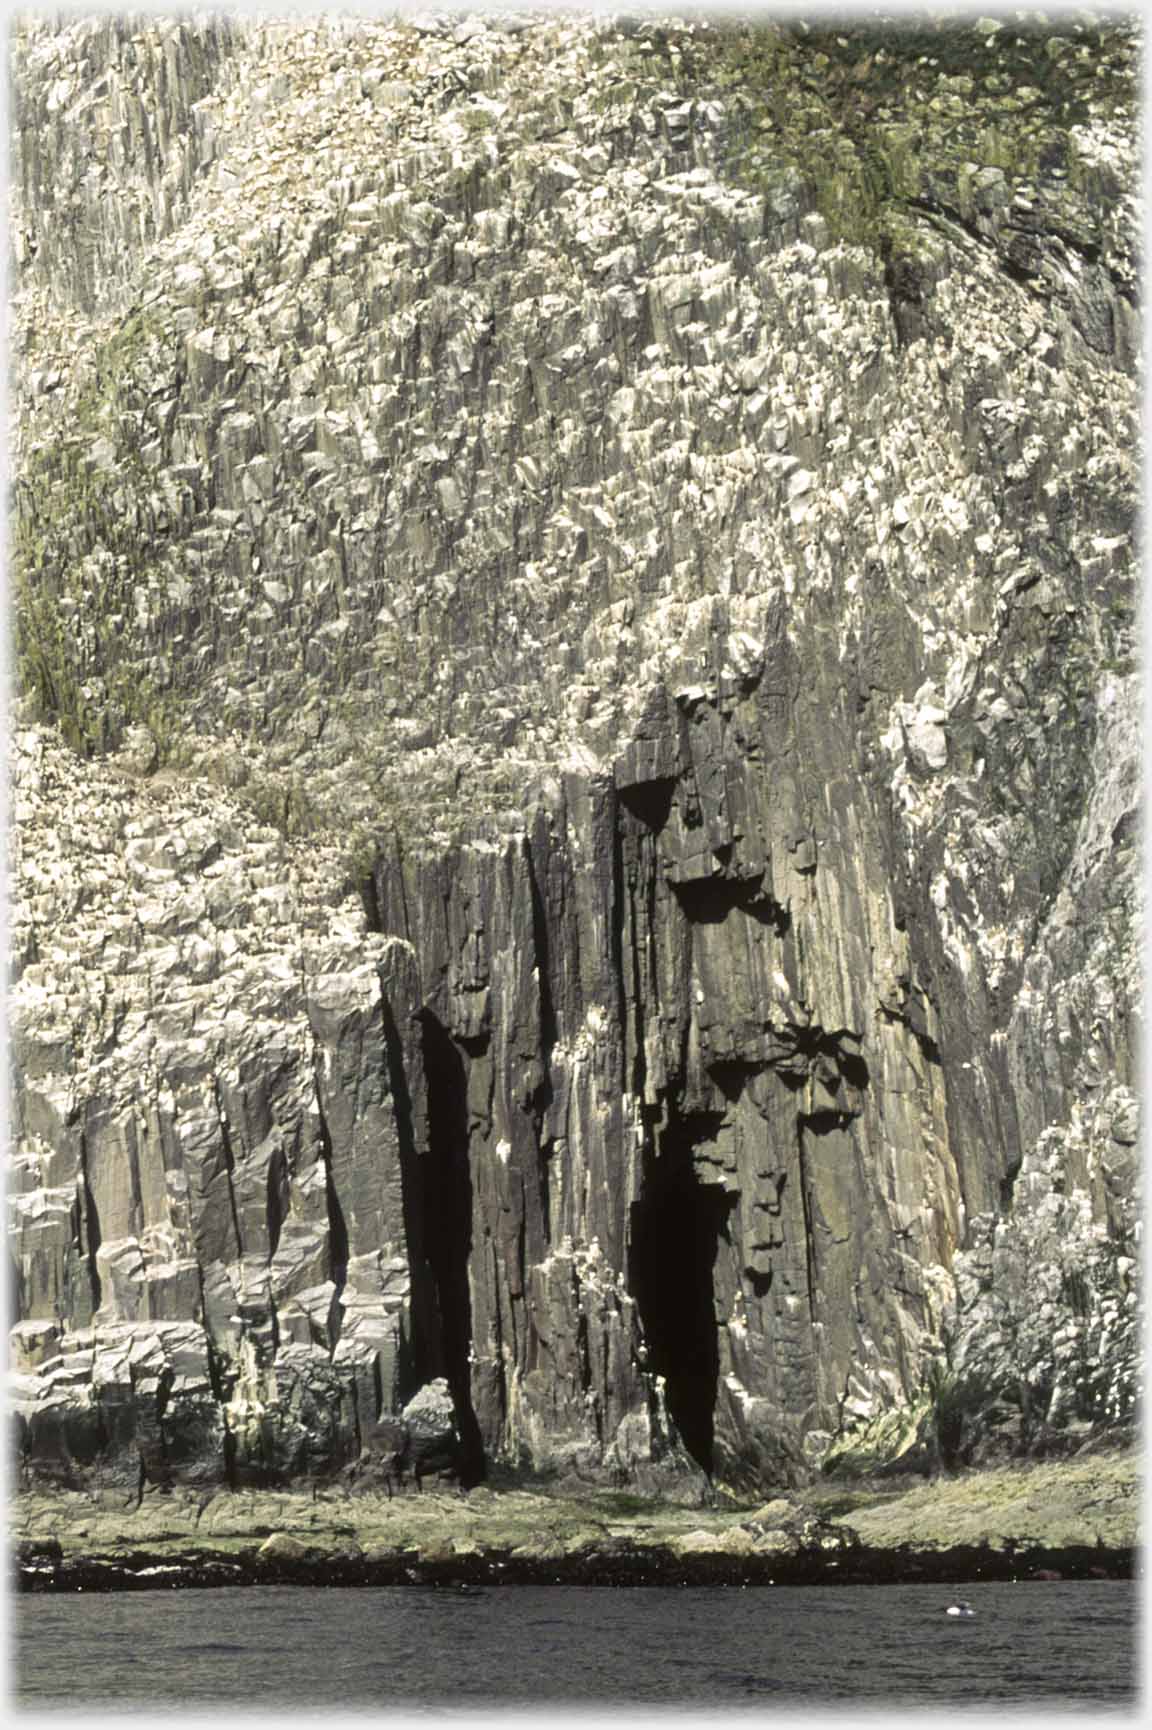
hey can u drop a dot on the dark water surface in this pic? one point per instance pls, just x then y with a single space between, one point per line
1069 1644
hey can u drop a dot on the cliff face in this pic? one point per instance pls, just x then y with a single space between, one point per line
575 803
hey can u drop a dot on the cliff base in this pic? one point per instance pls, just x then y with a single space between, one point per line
1067 1519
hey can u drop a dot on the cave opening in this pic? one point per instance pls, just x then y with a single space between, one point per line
448 1226
709 901
649 801
675 1230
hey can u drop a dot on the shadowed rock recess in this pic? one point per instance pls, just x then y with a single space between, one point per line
575 775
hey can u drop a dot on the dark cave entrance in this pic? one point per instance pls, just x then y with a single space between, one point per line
650 801
448 1225
709 901
676 1226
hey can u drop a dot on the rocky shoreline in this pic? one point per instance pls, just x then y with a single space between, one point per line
866 1565
1069 1520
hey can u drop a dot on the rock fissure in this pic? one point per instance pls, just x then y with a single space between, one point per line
448 1239
228 1159
336 1224
89 1230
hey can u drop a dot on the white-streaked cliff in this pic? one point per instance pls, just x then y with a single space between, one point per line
576 797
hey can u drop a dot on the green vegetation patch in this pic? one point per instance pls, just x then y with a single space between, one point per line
84 531
868 119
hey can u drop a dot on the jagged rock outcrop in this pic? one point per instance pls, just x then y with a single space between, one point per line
576 895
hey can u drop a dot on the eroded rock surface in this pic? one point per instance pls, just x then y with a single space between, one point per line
576 883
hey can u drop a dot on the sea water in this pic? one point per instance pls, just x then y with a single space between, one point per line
1059 1644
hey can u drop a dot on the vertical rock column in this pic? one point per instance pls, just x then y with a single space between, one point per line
510 1049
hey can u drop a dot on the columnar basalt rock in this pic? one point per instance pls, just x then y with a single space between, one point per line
575 902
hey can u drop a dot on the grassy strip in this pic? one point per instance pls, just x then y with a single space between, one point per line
1082 1503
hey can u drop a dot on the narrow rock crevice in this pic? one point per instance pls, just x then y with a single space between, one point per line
418 1358
908 287
370 901
641 907
1008 1185
540 948
617 905
228 1440
221 1378
337 1225
90 1229
357 1427
447 1220
278 1199
803 1125
230 1175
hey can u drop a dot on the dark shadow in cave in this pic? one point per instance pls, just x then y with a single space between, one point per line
824 1122
675 1228
732 1074
854 1069
810 1043
709 900
448 1225
818 1042
649 801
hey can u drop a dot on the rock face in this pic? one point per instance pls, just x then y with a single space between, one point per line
576 891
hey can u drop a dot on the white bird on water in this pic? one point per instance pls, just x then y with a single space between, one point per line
963 1608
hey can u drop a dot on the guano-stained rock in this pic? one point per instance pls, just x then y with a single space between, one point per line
575 893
